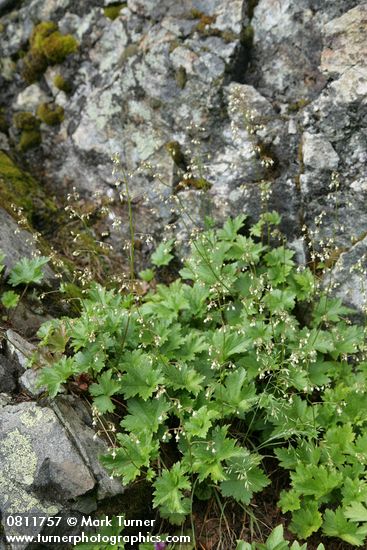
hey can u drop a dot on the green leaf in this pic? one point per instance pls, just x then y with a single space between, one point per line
181 376
236 394
145 416
226 344
289 501
162 255
329 310
315 481
306 521
208 456
147 275
244 477
28 271
10 299
242 545
336 525
200 422
304 284
319 340
347 339
231 228
168 492
53 377
133 454
103 390
279 261
141 378
276 539
2 258
356 511
279 300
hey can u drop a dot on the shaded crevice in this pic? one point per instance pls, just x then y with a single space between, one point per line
246 39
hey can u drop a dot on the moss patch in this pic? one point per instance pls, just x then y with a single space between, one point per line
200 184
50 113
62 84
47 46
298 105
247 37
21 189
181 77
29 139
25 120
205 22
113 10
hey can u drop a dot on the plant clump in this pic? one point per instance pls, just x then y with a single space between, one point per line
24 120
62 84
29 139
50 113
181 77
216 371
47 46
20 189
113 10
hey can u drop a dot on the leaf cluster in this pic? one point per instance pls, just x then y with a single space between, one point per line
216 368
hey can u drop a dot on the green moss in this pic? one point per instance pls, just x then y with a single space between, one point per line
194 183
25 121
205 22
62 84
19 187
229 36
34 65
40 32
181 77
247 36
29 139
297 105
195 14
57 47
47 46
113 10
50 113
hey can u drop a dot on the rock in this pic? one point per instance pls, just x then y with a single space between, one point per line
28 382
8 375
17 243
348 277
30 98
61 480
318 153
76 418
7 4
40 468
344 41
266 97
18 349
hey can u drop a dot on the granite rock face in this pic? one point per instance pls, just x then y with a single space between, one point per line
49 462
268 91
